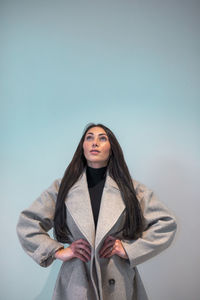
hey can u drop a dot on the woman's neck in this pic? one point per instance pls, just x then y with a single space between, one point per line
95 175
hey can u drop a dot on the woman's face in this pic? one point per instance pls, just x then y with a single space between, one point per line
96 147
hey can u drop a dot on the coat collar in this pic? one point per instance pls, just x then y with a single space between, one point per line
79 206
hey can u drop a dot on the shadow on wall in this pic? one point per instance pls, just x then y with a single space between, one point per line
177 183
176 180
47 291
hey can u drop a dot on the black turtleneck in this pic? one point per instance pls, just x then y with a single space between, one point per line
96 180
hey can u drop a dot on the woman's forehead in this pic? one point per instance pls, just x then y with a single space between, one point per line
96 130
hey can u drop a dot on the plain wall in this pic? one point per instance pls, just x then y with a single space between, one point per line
132 65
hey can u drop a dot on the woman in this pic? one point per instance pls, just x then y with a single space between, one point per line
109 223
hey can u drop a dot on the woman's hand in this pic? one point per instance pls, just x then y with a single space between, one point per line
112 246
80 249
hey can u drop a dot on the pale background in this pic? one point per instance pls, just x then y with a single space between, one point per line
132 65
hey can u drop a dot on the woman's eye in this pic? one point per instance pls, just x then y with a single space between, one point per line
103 138
89 137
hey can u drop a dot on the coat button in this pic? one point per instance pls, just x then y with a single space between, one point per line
111 281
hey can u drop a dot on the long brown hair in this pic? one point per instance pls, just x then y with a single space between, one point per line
118 170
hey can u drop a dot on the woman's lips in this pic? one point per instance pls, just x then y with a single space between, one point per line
94 151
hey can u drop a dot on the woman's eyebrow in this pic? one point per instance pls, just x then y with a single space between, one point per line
98 134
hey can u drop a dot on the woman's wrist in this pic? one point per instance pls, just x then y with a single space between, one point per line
57 254
64 254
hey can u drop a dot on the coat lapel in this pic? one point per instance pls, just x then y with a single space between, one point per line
111 208
79 206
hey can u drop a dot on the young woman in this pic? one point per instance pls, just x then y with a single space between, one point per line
104 222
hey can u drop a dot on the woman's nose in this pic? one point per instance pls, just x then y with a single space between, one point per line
95 143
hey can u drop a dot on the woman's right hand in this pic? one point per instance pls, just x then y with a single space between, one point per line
80 249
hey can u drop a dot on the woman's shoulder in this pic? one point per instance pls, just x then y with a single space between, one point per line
54 186
140 188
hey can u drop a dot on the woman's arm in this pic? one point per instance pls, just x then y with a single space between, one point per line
35 222
160 228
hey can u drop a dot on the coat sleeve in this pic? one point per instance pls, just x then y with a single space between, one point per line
35 222
160 228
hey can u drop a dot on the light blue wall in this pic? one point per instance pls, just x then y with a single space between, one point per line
132 65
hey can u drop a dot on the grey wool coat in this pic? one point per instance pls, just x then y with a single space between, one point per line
112 278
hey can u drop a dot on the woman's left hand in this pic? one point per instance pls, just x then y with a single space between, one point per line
112 246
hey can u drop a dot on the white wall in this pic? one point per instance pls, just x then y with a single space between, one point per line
132 65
